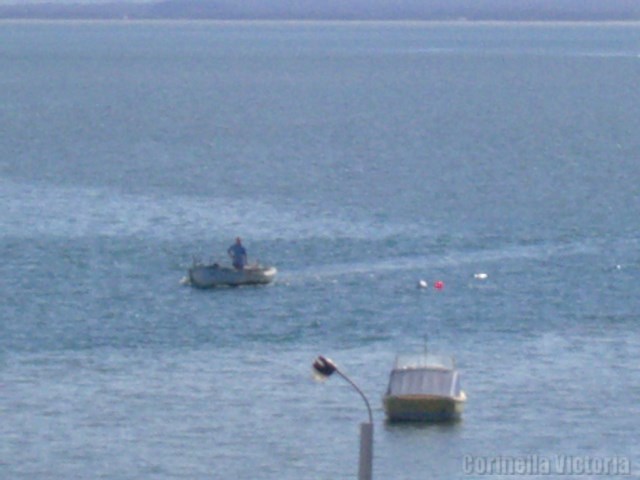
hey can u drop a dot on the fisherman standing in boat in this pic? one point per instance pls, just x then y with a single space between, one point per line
238 254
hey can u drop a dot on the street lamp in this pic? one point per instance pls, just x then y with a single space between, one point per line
323 368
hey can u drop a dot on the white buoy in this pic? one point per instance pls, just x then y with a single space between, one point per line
480 276
423 284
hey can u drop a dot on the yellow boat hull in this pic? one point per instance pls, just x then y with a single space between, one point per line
423 408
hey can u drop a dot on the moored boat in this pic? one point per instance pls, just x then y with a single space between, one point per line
209 276
424 387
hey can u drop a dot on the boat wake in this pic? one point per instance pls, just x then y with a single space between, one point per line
440 262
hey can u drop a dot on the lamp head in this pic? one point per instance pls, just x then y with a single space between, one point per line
323 368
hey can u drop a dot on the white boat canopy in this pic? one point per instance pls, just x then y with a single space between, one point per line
424 381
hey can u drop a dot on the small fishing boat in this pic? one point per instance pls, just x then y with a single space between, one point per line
215 275
424 387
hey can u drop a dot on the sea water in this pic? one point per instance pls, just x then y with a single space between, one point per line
359 159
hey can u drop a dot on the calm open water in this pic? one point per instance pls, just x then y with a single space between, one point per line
359 159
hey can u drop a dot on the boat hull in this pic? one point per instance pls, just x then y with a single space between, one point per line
210 276
423 408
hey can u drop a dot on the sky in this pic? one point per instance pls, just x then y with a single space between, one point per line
67 2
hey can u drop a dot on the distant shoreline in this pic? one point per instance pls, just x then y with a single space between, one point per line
448 11
159 21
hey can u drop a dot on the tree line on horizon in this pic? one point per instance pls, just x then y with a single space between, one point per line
435 10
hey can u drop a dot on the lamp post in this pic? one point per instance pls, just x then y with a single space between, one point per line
323 368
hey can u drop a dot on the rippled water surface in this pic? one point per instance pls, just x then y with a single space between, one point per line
358 159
